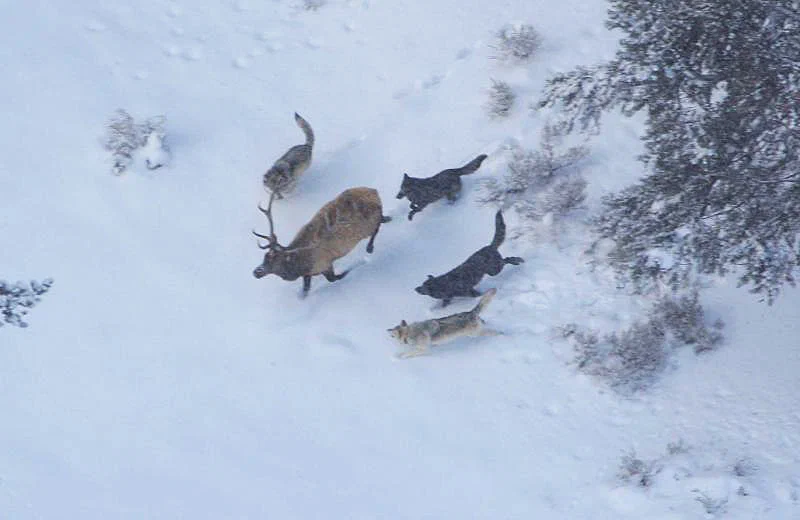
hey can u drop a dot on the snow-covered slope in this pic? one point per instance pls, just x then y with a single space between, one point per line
159 379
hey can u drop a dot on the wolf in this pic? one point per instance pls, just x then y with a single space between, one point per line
422 334
447 183
282 176
462 280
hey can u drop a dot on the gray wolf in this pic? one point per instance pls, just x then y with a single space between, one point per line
447 183
420 335
282 176
461 280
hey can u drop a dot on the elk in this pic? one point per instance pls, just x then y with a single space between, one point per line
333 232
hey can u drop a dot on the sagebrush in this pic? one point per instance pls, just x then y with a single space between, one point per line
17 299
124 136
516 43
631 360
543 184
703 475
501 99
313 5
635 470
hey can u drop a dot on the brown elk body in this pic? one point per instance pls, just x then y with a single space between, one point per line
332 233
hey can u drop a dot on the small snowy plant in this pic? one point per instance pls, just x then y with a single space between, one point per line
121 140
17 299
154 150
634 470
687 473
313 5
516 43
542 186
126 139
501 99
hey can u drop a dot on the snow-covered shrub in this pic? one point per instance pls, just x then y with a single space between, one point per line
631 360
501 99
313 5
516 43
633 470
683 316
154 149
678 447
637 355
121 140
540 185
745 467
696 481
16 300
124 137
713 506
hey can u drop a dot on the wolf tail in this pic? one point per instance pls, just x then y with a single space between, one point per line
499 230
306 128
486 299
472 166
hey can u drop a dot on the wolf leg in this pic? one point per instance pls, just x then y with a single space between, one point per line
513 260
415 208
420 349
490 332
413 353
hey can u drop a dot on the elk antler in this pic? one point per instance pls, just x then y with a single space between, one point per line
272 240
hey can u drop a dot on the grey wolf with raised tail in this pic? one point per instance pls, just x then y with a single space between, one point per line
283 175
461 281
333 232
447 183
421 335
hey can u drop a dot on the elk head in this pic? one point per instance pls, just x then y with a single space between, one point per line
278 260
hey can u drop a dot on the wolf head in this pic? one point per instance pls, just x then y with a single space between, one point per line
400 332
403 186
278 173
428 286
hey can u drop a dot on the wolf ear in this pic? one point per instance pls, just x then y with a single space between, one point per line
405 176
403 323
430 277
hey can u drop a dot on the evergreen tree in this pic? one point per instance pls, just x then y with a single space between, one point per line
16 299
719 81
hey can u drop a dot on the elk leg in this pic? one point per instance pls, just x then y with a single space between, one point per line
371 243
306 286
333 277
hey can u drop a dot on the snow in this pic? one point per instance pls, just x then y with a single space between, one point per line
158 379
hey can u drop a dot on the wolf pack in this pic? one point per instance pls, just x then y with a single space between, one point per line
356 214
